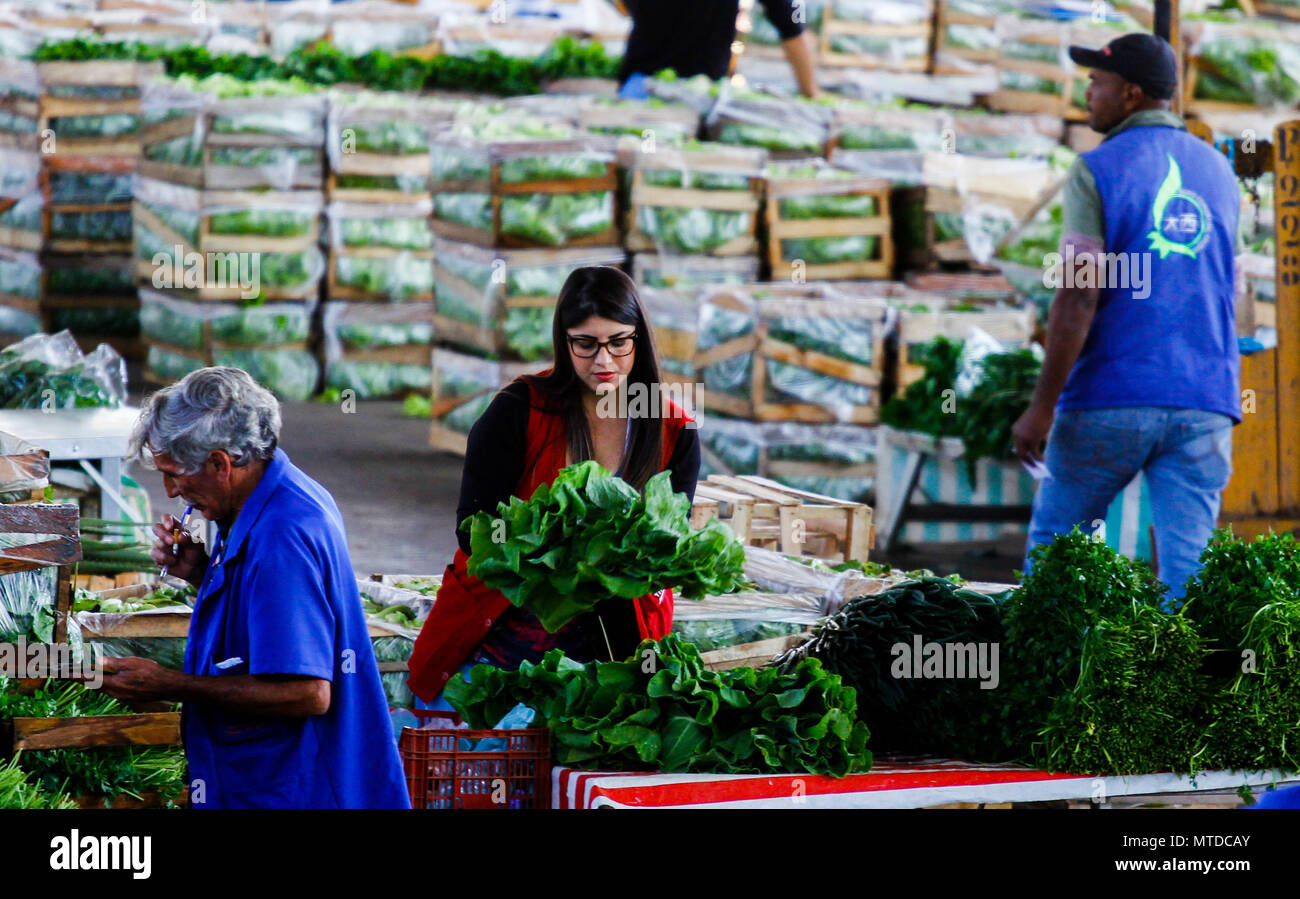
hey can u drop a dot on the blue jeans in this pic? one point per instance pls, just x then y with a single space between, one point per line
1092 455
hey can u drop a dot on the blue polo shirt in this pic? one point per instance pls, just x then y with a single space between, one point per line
280 597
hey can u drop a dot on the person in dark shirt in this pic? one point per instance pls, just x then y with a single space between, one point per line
694 37
533 428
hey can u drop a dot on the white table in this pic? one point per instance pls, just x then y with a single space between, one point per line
96 438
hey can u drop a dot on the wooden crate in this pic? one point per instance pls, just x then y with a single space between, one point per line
666 271
759 401
460 379
199 114
767 514
389 256
833 27
205 203
758 654
1049 36
954 60
709 159
350 112
498 152
348 365
493 302
878 225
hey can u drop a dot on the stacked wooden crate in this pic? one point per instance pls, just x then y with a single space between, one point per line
69 135
806 354
227 233
378 314
1035 72
965 36
826 223
894 35
518 204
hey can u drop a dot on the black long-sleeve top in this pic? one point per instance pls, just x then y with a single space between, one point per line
692 37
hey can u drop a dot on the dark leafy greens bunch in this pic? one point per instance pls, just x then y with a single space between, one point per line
946 716
1138 702
663 710
1076 582
589 536
17 791
982 419
1246 599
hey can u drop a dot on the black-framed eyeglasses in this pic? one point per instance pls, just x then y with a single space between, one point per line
589 347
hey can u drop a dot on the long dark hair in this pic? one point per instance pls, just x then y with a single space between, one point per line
604 292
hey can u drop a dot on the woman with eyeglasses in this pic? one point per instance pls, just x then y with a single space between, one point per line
535 427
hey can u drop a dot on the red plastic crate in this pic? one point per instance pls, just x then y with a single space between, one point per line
440 775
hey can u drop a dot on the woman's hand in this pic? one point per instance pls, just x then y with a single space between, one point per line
190 560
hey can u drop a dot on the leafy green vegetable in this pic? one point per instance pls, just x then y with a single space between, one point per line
17 791
589 535
1076 582
906 714
663 710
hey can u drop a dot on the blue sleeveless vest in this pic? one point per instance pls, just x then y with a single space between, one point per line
1170 203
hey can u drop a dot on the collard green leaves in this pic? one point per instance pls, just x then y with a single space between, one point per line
662 709
589 536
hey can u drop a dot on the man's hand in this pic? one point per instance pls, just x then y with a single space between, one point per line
1029 433
189 563
138 680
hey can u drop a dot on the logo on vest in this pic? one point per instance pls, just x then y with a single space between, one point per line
1181 217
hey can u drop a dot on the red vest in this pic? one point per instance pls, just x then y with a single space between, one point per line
466 607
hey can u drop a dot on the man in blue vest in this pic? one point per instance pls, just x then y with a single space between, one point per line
1142 366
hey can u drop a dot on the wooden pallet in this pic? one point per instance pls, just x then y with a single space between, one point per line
833 27
715 159
878 225
796 522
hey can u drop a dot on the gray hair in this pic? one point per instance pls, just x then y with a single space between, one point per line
209 409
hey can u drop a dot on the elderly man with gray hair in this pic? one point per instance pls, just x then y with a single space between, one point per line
282 702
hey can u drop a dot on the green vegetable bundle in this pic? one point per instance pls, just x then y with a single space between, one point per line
1246 600
18 791
1138 701
556 219
663 710
373 380
692 230
589 536
943 714
163 596
984 417
1076 583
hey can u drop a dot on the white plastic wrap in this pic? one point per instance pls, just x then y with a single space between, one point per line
359 27
23 466
784 125
188 325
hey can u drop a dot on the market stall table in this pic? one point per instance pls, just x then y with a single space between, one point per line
96 438
892 783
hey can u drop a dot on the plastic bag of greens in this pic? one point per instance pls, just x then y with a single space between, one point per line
168 365
836 460
777 124
20 274
692 230
848 329
398 336
555 219
381 123
725 317
473 210
865 126
403 276
676 320
731 446
1253 66
289 374
670 271
403 226
896 50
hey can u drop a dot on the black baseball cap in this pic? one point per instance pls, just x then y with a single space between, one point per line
1142 59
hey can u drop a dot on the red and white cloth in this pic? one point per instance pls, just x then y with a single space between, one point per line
892 783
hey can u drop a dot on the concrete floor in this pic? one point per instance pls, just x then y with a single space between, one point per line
398 495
